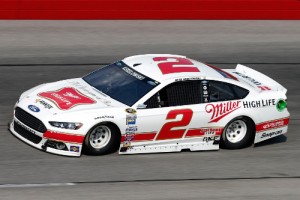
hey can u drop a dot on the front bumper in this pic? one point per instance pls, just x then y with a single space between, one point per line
38 141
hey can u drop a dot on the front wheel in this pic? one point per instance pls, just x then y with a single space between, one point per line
102 139
238 133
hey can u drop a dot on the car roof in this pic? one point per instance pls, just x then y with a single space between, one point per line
148 65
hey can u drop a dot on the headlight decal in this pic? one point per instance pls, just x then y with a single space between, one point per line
66 125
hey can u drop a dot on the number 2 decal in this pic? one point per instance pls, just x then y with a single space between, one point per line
166 131
168 67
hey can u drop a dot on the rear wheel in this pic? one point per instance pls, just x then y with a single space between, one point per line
102 139
238 133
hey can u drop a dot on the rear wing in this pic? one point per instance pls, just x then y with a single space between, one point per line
256 79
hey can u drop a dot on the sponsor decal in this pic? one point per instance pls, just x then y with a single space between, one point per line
133 73
69 94
253 81
129 136
67 98
220 110
208 139
209 133
211 138
131 129
130 119
130 110
271 134
200 132
44 103
74 148
272 124
205 96
188 79
126 144
25 127
259 103
129 133
33 108
104 117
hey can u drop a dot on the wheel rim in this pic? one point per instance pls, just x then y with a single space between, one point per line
236 131
100 136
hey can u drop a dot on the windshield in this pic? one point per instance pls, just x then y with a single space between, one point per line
121 82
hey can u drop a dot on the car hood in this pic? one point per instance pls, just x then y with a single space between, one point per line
70 95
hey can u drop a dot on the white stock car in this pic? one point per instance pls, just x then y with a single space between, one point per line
152 103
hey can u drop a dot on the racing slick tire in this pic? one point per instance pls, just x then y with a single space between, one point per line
102 139
238 133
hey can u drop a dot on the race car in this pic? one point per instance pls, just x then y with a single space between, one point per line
152 103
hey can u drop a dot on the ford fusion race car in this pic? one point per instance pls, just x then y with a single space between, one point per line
152 103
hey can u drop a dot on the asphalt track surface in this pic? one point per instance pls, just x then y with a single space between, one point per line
34 52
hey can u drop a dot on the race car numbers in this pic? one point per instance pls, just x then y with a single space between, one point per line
166 131
176 66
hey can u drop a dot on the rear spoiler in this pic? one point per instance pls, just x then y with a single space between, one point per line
256 79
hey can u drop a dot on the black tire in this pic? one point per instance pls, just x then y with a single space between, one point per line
97 144
235 136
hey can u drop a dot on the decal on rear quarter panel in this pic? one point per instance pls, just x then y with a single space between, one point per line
220 110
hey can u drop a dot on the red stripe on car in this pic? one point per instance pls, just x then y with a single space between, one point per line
277 123
64 137
140 136
222 72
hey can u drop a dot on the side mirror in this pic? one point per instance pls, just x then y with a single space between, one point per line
141 106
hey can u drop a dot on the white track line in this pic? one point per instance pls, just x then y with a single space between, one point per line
35 185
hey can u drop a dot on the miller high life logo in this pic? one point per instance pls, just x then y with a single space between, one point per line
66 98
220 110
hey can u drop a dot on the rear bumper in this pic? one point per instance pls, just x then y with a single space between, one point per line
270 129
43 143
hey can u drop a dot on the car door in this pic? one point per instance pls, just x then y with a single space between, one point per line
174 113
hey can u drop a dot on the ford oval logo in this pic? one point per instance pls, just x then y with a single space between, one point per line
34 108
